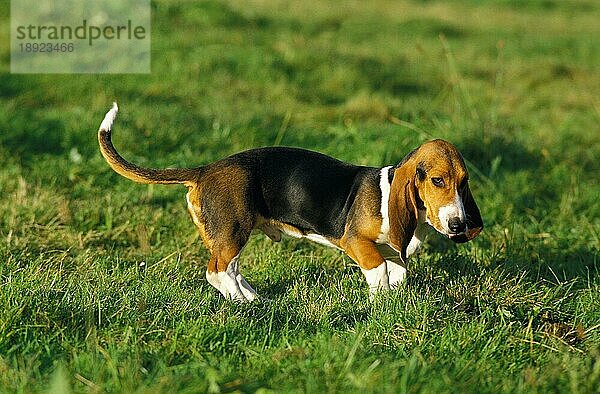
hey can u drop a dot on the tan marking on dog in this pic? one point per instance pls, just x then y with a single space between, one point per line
439 159
363 228
193 206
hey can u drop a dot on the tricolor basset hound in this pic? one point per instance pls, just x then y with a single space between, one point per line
367 212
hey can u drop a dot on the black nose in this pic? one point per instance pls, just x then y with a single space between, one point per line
456 226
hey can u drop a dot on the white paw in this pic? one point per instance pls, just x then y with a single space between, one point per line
396 274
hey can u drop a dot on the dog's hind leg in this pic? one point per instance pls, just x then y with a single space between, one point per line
245 287
223 272
225 230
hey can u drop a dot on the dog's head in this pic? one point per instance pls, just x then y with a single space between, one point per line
434 178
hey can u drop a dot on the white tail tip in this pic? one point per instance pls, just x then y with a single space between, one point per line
109 118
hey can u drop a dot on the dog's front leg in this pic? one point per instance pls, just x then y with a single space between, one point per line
396 274
377 279
375 268
395 266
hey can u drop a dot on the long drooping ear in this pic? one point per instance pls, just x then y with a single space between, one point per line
474 221
402 207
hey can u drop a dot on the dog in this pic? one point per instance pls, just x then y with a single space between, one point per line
377 216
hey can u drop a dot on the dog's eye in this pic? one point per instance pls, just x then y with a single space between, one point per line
439 182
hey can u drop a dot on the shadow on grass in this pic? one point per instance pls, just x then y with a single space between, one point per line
312 284
511 291
498 153
521 174
553 265
30 136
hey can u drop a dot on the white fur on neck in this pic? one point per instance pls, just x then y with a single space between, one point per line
419 235
384 186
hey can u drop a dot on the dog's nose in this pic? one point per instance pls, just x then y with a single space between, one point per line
456 225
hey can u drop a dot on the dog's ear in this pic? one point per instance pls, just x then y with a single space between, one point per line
474 221
402 207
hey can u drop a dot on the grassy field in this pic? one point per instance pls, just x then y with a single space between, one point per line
102 285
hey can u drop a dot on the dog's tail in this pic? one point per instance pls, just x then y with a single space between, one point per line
187 176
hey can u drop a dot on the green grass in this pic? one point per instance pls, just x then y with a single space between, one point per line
102 282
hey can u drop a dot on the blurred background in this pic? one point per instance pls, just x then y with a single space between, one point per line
514 84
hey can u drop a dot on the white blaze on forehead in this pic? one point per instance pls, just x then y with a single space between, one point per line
109 118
